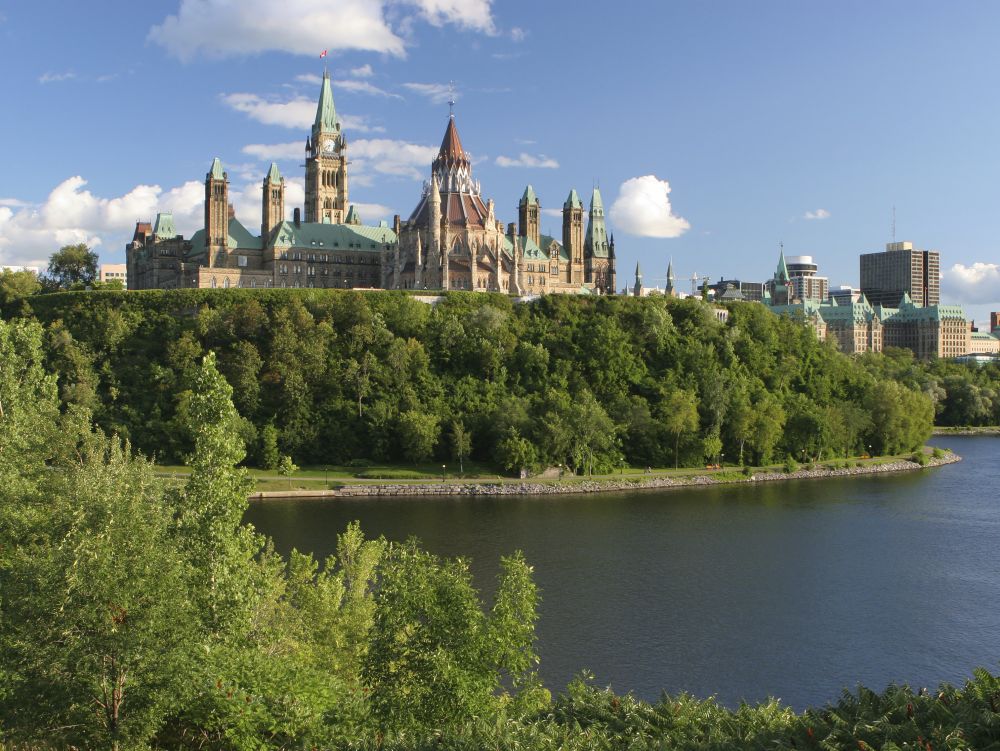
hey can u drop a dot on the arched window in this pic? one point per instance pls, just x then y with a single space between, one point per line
225 284
213 282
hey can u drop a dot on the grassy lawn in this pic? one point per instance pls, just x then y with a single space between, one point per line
323 477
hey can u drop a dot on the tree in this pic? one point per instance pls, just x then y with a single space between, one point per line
461 443
96 615
16 285
516 452
418 434
434 656
270 456
287 468
72 266
679 413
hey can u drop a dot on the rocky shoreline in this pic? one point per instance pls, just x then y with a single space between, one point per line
966 431
527 487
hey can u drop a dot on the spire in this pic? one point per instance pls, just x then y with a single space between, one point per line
670 273
595 200
781 274
638 273
216 172
353 217
326 113
273 174
529 196
451 146
573 201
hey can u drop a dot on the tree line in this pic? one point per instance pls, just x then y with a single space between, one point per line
136 614
334 377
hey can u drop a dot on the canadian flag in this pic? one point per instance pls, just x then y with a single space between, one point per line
323 53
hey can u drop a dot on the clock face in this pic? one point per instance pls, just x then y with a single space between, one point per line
329 145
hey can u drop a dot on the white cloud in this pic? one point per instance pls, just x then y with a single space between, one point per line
527 160
363 87
313 78
274 152
643 208
365 71
552 212
977 283
224 28
438 93
817 214
384 156
372 213
518 34
72 214
13 202
469 14
391 157
298 112
56 77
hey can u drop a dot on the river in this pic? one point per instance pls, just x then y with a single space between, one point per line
794 590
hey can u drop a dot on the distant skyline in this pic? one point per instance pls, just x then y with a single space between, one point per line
714 130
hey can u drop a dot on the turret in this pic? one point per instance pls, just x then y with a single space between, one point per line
326 162
527 216
272 203
216 211
572 237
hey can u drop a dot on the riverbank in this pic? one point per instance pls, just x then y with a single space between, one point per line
603 485
988 430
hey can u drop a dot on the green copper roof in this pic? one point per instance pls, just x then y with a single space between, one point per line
529 196
541 252
326 113
238 236
595 241
358 237
164 228
216 172
353 217
781 274
573 201
273 175
595 200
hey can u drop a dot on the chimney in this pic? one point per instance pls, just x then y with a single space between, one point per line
395 224
296 217
232 212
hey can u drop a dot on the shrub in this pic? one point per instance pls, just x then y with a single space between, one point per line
938 453
748 471
919 457
791 465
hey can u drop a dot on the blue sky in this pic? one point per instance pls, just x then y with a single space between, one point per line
755 116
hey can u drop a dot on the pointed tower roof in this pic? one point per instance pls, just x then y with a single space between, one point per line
451 145
781 274
638 272
215 172
573 201
529 196
670 272
164 226
353 217
326 113
595 200
273 175
595 241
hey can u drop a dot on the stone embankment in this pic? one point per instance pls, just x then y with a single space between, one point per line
609 485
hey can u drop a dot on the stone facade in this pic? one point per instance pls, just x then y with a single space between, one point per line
452 240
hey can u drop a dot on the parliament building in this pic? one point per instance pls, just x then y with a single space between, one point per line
453 239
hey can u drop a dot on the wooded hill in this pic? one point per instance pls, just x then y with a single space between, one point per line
333 377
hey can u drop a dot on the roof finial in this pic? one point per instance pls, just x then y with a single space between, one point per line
451 99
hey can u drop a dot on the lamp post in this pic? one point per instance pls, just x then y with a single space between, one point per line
722 461
442 472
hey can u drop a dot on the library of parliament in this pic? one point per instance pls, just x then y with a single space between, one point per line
453 240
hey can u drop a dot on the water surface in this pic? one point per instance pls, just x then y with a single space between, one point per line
793 590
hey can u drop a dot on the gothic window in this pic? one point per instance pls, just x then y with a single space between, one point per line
225 283
213 282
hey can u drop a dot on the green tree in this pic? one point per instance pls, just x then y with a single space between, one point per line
461 443
17 285
72 266
679 413
96 614
766 426
515 452
418 434
270 456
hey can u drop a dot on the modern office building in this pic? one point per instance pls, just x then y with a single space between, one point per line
901 270
845 295
802 278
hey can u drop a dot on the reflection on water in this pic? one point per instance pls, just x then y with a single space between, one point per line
793 590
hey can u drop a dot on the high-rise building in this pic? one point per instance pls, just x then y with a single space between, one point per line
803 280
114 271
901 269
